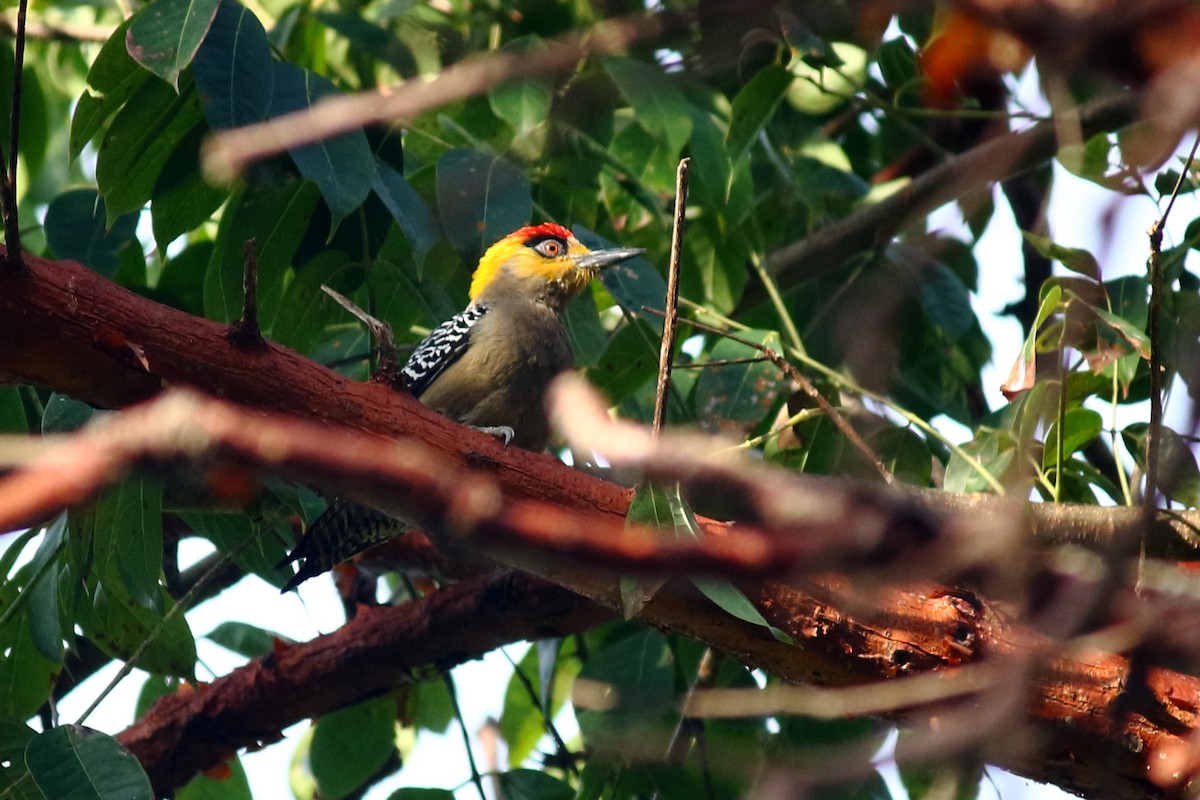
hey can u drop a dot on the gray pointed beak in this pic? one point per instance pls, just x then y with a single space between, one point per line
599 259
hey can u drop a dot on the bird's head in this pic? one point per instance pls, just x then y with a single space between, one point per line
542 261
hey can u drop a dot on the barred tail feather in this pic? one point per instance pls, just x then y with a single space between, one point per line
343 531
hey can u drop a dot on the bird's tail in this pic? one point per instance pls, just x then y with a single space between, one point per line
344 530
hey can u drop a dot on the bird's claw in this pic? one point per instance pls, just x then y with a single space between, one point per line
503 432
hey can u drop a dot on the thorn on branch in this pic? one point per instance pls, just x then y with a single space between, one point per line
389 369
245 332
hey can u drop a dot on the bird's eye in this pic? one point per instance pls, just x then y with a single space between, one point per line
551 248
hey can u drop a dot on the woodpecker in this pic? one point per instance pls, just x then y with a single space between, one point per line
488 367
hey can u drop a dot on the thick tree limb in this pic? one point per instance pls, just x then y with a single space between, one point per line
380 649
844 635
55 309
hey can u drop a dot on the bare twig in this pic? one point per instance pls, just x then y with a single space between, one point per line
226 154
452 690
856 701
8 186
389 369
671 315
1154 331
245 332
807 387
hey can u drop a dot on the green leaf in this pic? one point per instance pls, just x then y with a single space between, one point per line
116 77
629 362
589 339
481 199
119 628
127 526
343 166
732 601
522 725
165 37
370 41
408 208
528 784
351 745
953 780
429 706
946 300
1127 330
658 106
276 218
754 105
182 200
524 103
26 676
233 68
77 763
45 624
12 411
77 229
245 639
1082 426
412 793
305 310
256 546
1022 375
639 670
734 398
1073 258
819 88
905 453
898 63
64 414
995 450
14 738
651 507
1179 476
139 141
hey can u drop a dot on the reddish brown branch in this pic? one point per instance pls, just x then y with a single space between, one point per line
381 648
74 331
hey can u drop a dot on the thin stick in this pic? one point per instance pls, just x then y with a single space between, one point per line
14 133
807 387
671 317
389 369
180 606
1154 330
849 385
245 332
8 185
476 778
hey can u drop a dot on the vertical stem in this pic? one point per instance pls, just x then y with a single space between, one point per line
1153 439
1154 330
671 321
8 183
14 133
476 778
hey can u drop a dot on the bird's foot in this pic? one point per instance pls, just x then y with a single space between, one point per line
503 432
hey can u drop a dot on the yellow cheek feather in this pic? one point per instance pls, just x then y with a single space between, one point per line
523 261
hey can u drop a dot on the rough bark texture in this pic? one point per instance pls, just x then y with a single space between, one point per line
1104 739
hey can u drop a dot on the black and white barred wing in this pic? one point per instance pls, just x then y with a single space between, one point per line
440 349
